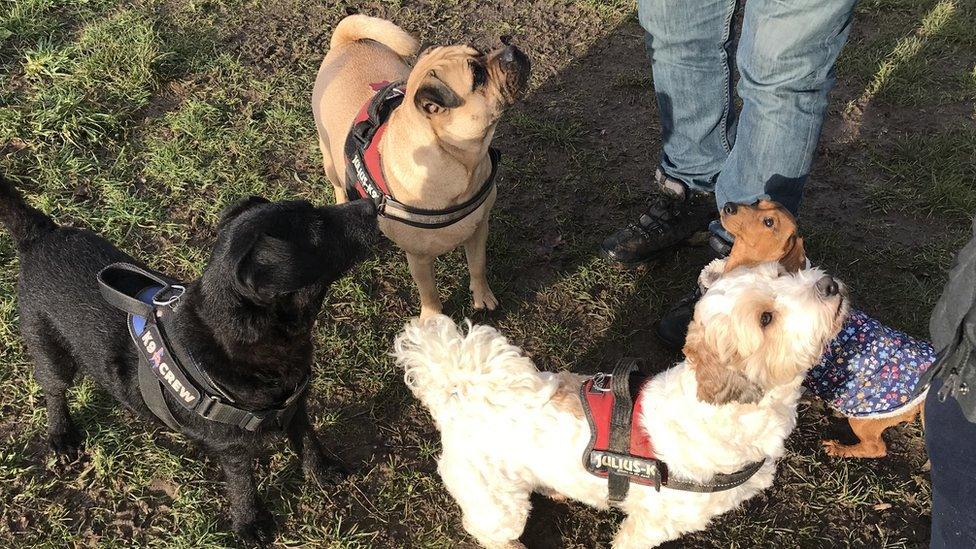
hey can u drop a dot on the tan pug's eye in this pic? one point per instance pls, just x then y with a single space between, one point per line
768 221
479 75
765 319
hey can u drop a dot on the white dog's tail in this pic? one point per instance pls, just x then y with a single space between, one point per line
446 369
363 27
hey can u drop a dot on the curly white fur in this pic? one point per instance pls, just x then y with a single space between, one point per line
508 429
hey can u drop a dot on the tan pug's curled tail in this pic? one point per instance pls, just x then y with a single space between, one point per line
363 27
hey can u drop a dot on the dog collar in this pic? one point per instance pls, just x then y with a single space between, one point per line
364 167
620 451
166 366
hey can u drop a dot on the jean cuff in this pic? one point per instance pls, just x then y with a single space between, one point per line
662 175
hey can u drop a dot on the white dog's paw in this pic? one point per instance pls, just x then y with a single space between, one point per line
483 298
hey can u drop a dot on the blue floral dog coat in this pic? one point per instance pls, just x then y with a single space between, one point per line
870 369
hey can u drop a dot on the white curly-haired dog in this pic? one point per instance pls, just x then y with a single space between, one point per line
508 429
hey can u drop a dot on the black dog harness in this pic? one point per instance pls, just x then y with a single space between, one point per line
364 168
620 451
165 365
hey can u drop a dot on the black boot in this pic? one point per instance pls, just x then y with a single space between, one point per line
673 326
675 213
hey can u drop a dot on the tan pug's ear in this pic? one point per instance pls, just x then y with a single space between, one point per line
795 258
434 96
718 383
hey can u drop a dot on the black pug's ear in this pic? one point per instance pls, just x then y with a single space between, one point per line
237 208
275 267
435 96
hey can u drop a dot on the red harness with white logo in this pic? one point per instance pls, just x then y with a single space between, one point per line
621 451
619 448
364 166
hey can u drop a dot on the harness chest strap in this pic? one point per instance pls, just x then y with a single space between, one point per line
621 451
364 167
164 365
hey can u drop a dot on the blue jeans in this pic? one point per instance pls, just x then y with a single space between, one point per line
951 443
785 59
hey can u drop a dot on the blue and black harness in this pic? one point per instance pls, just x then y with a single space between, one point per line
166 367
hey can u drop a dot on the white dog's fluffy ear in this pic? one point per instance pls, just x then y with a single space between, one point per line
718 380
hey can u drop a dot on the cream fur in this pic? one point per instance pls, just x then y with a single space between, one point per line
363 27
507 430
430 161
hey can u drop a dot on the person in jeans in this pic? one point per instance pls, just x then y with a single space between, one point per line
950 407
785 59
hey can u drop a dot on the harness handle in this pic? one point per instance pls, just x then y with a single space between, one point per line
618 484
121 283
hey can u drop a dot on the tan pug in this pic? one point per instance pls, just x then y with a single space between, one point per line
435 148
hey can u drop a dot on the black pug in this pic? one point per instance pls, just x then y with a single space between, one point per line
248 321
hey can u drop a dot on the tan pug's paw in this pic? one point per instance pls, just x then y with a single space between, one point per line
833 448
483 298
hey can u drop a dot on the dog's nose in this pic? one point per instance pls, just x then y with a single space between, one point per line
363 207
730 208
508 54
827 286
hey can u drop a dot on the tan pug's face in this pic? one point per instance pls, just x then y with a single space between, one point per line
463 92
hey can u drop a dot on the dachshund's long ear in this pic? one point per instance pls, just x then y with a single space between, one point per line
718 382
795 255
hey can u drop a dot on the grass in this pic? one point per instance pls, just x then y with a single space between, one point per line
916 50
919 178
141 120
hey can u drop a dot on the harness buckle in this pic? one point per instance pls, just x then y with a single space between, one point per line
207 404
252 421
601 382
171 301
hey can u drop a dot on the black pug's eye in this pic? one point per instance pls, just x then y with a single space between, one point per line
765 318
479 74
768 221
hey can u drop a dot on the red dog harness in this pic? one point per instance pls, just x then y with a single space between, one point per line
638 462
364 166
621 451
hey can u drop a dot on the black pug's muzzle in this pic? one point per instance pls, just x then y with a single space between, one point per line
359 224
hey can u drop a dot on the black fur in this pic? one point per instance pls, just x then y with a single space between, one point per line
247 320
